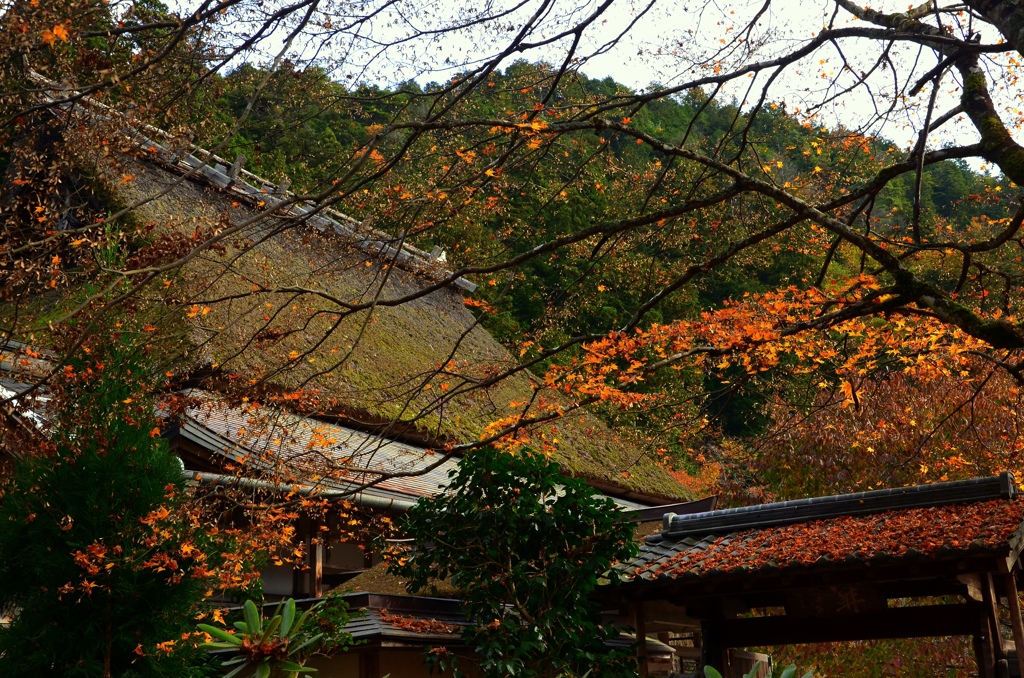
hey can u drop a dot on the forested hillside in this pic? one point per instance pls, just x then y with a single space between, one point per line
734 280
723 427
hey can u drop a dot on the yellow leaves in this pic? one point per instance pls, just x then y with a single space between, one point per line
494 172
167 646
61 32
197 311
848 393
533 125
534 143
58 32
479 303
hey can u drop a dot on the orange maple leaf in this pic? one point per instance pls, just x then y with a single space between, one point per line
59 32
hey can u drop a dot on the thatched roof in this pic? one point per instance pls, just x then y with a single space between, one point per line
410 370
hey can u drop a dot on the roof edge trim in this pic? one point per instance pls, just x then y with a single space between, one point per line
725 521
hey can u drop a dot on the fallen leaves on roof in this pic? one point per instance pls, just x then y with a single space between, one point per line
933 531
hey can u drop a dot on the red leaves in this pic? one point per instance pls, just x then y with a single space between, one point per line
415 624
983 525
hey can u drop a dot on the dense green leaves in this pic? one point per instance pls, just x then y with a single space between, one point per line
281 642
526 546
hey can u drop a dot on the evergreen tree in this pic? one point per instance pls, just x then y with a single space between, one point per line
525 546
102 567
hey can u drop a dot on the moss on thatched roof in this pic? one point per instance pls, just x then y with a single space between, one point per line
378 579
369 367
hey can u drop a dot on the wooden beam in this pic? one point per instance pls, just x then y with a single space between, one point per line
899 581
901 622
1015 619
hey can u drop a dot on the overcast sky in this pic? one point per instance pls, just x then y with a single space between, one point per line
667 43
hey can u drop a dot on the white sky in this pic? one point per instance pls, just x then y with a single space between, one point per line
669 44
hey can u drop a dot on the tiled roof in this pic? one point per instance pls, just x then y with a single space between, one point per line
308 448
404 618
857 503
990 526
417 619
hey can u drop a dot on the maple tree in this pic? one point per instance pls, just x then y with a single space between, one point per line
727 197
696 261
105 561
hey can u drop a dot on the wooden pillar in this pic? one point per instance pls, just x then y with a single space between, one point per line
640 626
712 651
369 664
309 581
984 647
317 567
1015 619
